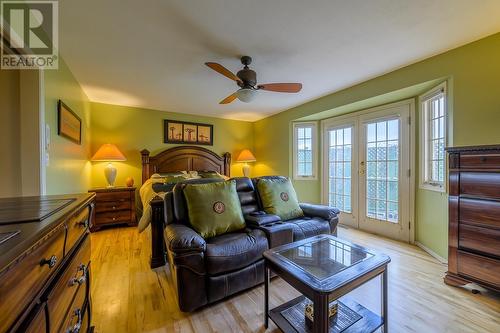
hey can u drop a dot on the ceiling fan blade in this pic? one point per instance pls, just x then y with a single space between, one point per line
228 99
281 87
223 70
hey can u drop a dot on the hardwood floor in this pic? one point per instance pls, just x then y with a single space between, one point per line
130 297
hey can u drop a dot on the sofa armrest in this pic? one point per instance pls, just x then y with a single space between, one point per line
256 220
182 239
322 211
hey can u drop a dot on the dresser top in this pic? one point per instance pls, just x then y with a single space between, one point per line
24 220
473 148
112 189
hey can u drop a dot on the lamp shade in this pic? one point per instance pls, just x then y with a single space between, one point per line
108 153
246 156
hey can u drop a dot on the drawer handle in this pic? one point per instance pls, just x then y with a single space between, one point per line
79 280
52 261
76 328
84 224
114 218
114 207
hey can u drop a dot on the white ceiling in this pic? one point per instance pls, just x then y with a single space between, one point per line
151 53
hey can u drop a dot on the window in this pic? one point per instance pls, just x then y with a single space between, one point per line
433 139
304 151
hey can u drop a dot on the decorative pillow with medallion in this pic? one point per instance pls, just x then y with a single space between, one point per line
279 198
214 208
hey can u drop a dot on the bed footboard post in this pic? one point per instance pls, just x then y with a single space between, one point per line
158 255
145 165
227 164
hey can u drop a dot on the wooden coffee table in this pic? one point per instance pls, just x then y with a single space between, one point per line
324 268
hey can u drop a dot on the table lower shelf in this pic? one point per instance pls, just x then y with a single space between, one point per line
369 321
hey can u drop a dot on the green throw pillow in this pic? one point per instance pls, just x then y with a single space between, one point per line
214 208
279 198
210 174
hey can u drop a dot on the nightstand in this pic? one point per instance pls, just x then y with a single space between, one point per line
113 206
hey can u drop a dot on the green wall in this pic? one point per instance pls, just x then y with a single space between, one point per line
472 71
10 168
69 169
133 129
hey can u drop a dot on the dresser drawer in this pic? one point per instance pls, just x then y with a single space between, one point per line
479 239
479 267
113 217
20 284
471 161
480 184
72 279
38 324
77 226
118 196
482 212
76 313
110 206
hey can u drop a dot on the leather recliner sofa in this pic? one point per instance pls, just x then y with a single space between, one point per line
207 270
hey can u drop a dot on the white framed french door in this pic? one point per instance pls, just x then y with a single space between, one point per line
366 169
340 186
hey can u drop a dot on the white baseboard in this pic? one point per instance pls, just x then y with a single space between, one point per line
432 253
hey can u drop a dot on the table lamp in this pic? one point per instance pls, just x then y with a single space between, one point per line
109 153
246 156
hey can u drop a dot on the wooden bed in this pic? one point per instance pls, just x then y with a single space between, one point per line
181 158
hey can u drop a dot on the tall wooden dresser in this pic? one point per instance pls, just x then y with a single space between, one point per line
45 263
474 216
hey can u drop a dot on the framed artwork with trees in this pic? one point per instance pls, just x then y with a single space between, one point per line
184 132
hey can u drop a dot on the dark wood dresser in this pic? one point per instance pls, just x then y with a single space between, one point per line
474 216
114 206
45 263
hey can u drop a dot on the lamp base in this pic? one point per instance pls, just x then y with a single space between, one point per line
110 173
246 170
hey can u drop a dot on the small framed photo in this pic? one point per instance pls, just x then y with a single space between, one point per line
184 132
69 125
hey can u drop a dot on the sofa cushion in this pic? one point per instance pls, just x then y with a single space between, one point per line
308 226
247 195
221 286
214 208
235 250
279 198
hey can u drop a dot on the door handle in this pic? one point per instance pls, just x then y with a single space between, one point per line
362 169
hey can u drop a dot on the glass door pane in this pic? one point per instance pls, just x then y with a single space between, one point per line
382 170
340 168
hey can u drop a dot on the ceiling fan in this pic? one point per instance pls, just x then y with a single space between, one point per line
246 79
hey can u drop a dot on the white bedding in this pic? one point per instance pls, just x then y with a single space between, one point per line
147 194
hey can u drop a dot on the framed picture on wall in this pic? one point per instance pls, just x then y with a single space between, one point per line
69 125
173 132
191 133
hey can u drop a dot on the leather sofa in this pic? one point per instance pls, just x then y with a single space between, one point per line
207 270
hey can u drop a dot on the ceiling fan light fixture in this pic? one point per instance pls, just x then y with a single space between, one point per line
246 95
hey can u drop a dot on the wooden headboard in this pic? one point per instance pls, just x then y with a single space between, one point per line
184 158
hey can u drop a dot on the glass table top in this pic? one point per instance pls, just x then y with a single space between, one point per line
324 257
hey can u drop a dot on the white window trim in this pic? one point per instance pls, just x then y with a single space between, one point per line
423 184
314 147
